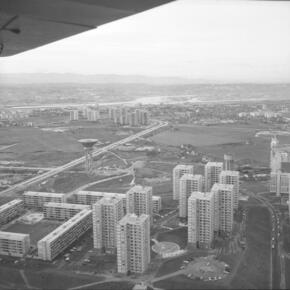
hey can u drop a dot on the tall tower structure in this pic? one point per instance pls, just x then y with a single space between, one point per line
178 172
232 177
139 200
228 162
189 183
212 172
224 207
107 212
133 243
275 155
88 145
201 219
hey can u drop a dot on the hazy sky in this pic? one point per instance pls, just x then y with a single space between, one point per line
208 40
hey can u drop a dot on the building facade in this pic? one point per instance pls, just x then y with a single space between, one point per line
10 210
232 177
178 172
33 199
224 207
14 244
212 171
62 211
189 183
139 200
107 212
133 243
201 219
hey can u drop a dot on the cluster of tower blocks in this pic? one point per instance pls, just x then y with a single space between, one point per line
207 201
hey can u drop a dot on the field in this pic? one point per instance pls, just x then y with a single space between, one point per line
178 236
253 271
13 279
287 271
217 140
46 148
37 231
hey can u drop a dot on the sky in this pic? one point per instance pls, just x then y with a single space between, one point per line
208 40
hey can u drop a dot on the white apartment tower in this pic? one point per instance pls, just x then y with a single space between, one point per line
178 171
212 172
107 212
201 219
224 207
133 243
188 184
232 177
139 200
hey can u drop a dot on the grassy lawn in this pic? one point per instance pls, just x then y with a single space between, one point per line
287 271
120 285
37 231
178 236
182 282
286 237
254 271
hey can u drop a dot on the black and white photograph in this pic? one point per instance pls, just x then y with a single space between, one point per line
144 144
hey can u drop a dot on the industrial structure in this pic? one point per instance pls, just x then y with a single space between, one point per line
88 145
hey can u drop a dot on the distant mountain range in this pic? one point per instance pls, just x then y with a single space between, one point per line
55 78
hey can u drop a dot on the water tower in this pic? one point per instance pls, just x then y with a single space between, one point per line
88 145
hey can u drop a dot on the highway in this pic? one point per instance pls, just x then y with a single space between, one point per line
35 180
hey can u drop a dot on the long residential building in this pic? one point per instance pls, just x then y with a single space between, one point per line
189 183
224 207
139 200
14 244
201 219
62 211
62 237
34 199
106 214
178 171
91 197
232 177
212 171
133 243
10 210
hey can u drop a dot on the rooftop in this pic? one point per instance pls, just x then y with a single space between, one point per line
214 164
133 219
201 195
220 186
47 194
230 172
12 236
66 205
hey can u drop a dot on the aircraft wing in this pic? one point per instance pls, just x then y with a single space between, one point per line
27 24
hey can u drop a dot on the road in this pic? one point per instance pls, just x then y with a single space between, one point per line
35 180
277 277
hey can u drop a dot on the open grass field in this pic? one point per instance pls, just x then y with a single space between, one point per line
178 236
11 278
37 231
217 140
205 135
46 148
119 285
287 271
254 269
